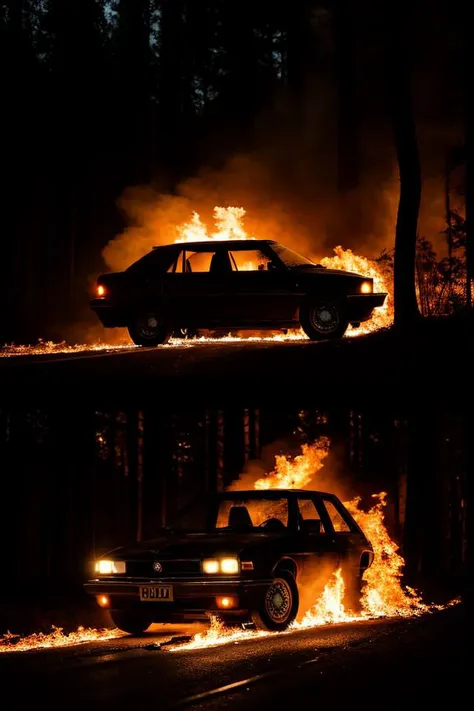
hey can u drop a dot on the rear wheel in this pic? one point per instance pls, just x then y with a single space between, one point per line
279 606
323 319
149 329
131 621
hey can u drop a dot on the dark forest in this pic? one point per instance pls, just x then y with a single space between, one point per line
114 108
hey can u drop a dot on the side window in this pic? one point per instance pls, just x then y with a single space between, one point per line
251 260
177 266
198 261
309 516
340 525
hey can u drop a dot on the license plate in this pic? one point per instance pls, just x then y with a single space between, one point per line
156 593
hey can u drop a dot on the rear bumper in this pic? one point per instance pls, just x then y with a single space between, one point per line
193 599
361 306
108 313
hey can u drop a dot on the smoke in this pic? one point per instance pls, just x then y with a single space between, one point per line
287 179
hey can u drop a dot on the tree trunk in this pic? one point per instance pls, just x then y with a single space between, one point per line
347 133
404 134
469 117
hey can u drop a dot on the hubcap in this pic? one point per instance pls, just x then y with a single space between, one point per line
278 600
324 318
148 326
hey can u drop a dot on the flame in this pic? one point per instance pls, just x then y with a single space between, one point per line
298 472
56 638
383 596
62 348
229 226
383 282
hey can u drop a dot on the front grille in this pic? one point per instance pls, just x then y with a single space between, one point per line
171 568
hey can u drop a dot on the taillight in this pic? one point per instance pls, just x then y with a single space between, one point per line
100 290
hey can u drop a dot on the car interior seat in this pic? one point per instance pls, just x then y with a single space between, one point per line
239 517
220 263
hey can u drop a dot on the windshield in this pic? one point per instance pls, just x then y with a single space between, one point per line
290 258
252 514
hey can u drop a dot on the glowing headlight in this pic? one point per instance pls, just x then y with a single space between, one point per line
227 566
109 567
366 287
210 565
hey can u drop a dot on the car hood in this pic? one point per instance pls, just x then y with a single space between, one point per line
327 272
196 545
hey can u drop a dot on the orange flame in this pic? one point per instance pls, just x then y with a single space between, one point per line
298 472
383 282
39 640
383 596
229 226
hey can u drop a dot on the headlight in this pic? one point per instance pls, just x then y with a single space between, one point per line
110 567
228 566
366 287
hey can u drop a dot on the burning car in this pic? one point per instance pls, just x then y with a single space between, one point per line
257 553
231 285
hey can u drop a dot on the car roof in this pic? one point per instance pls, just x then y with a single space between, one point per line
271 492
236 243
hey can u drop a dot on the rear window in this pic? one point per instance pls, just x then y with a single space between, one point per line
157 261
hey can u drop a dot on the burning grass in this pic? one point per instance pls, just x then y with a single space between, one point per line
56 638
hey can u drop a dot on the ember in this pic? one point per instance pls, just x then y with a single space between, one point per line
14 643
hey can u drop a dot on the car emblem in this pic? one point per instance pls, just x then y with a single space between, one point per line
157 566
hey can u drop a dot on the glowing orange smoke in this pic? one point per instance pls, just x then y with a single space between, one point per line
39 640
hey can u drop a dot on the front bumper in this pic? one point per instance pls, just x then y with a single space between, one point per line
361 306
193 599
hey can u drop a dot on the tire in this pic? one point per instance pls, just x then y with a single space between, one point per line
149 329
132 621
279 605
323 320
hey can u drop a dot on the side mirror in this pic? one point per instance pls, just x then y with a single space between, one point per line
311 525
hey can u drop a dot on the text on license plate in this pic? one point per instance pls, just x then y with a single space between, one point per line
158 593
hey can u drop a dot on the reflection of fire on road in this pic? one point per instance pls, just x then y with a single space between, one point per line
383 596
52 640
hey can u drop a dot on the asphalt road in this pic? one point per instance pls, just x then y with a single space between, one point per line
378 362
377 664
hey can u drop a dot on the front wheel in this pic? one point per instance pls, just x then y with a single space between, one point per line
131 621
323 319
149 329
279 606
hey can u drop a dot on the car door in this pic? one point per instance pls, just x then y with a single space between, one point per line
346 534
259 289
318 544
